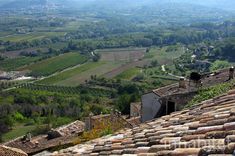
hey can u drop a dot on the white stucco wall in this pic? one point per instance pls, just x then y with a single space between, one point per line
150 106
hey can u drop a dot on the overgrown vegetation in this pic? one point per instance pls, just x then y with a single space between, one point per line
104 128
210 92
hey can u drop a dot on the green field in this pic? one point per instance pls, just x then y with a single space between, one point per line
82 77
55 64
82 73
79 74
14 64
111 50
129 74
31 36
163 56
67 74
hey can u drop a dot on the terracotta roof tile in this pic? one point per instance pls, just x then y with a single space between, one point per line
193 137
207 150
9 151
229 126
186 152
206 129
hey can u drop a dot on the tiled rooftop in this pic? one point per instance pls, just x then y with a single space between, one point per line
206 129
62 136
8 151
71 128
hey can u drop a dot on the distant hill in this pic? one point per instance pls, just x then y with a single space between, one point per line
165 11
221 4
118 4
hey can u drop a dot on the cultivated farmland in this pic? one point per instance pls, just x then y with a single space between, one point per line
117 63
30 36
70 73
122 54
55 64
79 74
14 64
164 55
98 71
129 74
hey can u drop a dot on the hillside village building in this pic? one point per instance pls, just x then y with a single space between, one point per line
166 100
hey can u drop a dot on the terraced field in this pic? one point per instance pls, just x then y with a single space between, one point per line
55 64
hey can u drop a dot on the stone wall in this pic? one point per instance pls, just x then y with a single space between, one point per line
180 100
135 109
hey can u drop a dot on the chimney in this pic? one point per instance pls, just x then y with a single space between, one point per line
182 82
88 122
231 73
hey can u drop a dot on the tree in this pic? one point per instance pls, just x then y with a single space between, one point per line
96 57
154 63
147 50
123 103
72 46
219 65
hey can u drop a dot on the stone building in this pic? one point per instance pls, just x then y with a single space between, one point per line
166 100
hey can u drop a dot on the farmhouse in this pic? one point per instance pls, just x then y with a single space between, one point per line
166 100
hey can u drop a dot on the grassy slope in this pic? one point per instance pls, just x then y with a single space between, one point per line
85 75
70 73
17 131
162 56
54 64
128 74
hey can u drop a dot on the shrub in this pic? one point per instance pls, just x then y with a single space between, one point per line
104 128
219 65
211 92
18 117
